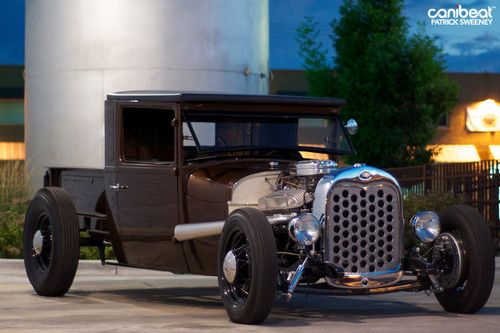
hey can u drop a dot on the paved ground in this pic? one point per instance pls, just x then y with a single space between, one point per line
106 299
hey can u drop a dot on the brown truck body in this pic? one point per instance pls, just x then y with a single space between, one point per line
156 197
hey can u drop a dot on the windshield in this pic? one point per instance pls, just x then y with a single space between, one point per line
209 132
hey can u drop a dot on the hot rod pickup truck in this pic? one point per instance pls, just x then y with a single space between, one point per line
247 188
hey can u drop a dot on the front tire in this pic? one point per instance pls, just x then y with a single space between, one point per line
51 242
247 251
473 291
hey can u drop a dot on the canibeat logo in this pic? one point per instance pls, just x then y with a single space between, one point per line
461 15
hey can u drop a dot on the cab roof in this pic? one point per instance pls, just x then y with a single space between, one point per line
200 97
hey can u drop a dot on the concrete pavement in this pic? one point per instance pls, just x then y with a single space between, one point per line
117 299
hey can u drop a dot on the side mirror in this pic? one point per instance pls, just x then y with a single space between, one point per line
351 126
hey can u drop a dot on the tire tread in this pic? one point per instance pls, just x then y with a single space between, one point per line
264 283
65 253
481 259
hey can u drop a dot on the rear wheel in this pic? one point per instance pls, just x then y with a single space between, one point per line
247 266
51 242
470 272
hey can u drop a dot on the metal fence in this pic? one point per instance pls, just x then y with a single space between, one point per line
476 182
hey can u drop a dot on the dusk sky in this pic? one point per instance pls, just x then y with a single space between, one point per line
468 48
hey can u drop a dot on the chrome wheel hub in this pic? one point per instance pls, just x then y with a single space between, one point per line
38 242
452 247
229 267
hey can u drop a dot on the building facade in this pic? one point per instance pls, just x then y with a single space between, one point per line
11 113
471 132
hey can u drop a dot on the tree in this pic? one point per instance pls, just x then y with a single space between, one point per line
394 83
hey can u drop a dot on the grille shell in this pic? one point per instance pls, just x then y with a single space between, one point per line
364 227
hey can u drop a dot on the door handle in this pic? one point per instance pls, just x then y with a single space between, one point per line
118 187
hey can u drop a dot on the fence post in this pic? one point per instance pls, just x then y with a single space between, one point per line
425 178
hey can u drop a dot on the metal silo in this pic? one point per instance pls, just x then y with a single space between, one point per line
77 51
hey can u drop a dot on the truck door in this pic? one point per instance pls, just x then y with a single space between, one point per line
145 187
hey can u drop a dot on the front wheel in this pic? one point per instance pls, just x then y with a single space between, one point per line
471 267
247 266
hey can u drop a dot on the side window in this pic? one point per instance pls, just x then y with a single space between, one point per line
147 135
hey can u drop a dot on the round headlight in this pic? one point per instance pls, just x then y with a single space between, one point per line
304 228
425 226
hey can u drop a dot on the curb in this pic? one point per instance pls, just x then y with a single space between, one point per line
85 267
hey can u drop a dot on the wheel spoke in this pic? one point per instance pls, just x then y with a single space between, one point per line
243 261
239 289
237 250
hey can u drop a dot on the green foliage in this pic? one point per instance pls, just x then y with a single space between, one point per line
13 206
91 253
11 230
394 83
318 71
432 201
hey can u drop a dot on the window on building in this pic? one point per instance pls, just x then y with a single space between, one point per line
444 121
148 135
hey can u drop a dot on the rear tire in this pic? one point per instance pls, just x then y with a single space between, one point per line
474 290
248 298
51 242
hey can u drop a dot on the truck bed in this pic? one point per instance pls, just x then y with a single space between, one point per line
85 186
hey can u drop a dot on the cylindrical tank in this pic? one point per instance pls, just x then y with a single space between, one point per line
77 51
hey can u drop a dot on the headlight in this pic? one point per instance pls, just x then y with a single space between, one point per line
304 228
426 226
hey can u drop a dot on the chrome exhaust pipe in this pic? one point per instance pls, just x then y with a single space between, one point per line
183 232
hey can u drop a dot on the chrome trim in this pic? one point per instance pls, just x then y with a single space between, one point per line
403 285
425 234
183 232
38 242
351 173
368 280
320 193
361 174
296 278
451 243
365 176
312 167
351 126
305 229
277 219
229 266
116 187
363 224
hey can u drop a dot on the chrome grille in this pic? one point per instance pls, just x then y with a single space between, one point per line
363 232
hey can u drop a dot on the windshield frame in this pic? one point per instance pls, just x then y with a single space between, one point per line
268 111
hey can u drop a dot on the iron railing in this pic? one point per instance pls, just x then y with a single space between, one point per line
476 182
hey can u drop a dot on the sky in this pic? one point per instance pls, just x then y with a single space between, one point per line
11 32
467 48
